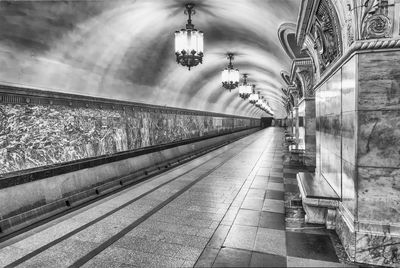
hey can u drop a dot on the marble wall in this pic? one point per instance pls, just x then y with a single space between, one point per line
310 124
379 138
358 153
33 136
336 133
328 126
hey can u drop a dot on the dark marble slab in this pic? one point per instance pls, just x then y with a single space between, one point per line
310 246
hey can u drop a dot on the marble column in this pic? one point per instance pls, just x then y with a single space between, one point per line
297 127
378 159
309 125
305 73
358 132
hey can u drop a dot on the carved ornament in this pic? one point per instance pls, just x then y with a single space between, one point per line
306 75
326 34
375 22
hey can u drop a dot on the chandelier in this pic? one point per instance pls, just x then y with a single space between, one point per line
245 89
230 76
259 103
189 42
254 97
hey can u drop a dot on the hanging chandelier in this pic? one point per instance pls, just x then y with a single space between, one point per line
253 97
189 42
260 101
230 76
245 89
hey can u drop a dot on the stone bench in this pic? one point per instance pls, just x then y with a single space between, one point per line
319 199
297 152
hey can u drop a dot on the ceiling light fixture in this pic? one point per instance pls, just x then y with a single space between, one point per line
245 89
189 42
230 76
254 96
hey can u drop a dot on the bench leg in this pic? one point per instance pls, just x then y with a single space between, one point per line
320 215
331 218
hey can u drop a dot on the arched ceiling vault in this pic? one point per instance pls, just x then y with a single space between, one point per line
124 49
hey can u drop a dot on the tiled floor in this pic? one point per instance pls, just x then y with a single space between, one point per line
227 209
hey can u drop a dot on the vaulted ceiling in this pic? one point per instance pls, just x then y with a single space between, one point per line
124 49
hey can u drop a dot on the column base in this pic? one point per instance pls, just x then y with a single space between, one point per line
368 247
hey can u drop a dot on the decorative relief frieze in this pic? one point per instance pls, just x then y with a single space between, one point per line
306 75
326 34
350 23
375 21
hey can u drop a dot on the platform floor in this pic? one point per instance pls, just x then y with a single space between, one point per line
226 208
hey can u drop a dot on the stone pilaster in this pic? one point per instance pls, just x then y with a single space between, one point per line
310 142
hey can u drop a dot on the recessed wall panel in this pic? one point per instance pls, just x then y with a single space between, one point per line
330 128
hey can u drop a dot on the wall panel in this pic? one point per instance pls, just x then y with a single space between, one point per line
42 129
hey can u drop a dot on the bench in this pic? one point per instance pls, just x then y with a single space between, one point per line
319 199
297 152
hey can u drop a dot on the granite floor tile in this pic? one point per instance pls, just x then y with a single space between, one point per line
276 174
253 204
247 217
310 246
241 237
166 249
272 220
289 175
272 205
104 263
290 181
267 260
272 194
300 262
256 193
228 257
219 236
137 244
260 184
263 172
188 253
293 188
276 186
275 179
207 257
289 170
10 254
270 241
229 219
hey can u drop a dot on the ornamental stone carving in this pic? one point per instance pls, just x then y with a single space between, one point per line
306 76
326 34
350 23
375 22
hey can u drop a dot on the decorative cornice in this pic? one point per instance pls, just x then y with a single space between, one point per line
29 96
358 46
298 63
304 19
